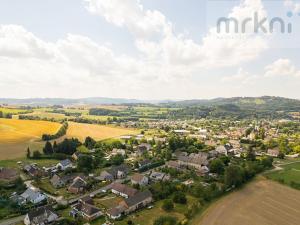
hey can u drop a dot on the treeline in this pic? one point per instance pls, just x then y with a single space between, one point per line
227 111
60 151
61 111
7 115
103 112
61 132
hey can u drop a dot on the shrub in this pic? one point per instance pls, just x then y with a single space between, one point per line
168 205
179 197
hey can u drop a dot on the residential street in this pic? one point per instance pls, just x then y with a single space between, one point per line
13 221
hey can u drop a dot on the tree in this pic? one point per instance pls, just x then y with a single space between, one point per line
85 163
89 142
117 159
168 205
28 154
251 156
217 166
267 162
36 155
68 146
179 197
225 159
281 155
54 146
48 150
233 176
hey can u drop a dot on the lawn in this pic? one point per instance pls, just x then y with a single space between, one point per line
107 202
98 132
259 202
12 163
290 173
17 135
45 185
148 216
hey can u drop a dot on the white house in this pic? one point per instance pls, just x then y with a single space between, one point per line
40 216
33 195
64 164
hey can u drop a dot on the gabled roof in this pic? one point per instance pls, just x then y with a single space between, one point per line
56 179
65 162
124 189
138 198
78 183
87 199
31 193
200 158
116 211
137 177
41 214
87 209
114 170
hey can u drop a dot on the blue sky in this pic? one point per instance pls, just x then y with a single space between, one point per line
145 49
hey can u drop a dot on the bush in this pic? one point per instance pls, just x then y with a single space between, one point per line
217 166
36 155
295 185
168 205
165 220
179 197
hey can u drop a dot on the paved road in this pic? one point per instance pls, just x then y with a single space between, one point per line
12 221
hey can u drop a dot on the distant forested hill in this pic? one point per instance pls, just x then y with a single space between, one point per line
238 107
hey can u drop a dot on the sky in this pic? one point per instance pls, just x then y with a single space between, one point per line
149 49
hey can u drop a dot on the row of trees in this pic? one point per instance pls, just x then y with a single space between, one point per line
67 147
61 132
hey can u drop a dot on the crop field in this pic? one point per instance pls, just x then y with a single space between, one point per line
260 202
12 110
17 135
47 115
81 131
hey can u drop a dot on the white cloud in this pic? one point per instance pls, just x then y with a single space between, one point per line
242 77
15 41
281 67
130 14
216 49
166 61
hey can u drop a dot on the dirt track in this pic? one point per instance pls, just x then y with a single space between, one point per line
261 202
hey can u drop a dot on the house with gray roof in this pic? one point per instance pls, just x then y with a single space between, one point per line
32 195
40 216
64 164
131 204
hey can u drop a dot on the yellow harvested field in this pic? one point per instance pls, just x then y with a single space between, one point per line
97 132
17 135
262 202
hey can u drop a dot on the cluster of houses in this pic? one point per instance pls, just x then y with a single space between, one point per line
133 199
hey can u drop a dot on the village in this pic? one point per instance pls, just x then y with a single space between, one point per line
104 183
